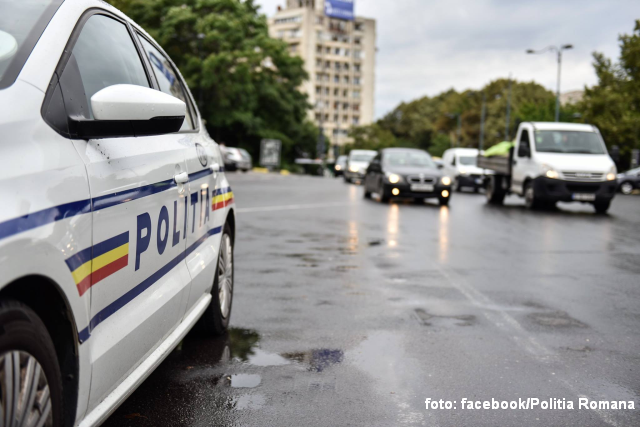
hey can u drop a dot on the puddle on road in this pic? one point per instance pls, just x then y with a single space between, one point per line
428 319
262 358
557 319
245 380
317 360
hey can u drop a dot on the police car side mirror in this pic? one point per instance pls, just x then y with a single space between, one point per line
128 110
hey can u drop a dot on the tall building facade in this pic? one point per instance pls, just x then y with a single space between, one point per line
339 55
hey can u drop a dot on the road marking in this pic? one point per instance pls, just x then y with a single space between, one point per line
291 207
504 321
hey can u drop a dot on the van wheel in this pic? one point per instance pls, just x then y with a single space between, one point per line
29 372
530 199
215 319
602 207
494 192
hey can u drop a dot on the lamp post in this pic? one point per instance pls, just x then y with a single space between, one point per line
459 130
558 51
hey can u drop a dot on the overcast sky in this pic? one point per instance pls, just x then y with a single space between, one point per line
428 46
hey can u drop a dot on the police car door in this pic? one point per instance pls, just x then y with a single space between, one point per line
205 196
139 281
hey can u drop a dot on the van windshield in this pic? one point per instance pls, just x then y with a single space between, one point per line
21 24
362 157
468 160
571 142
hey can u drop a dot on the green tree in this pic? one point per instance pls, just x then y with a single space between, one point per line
245 82
614 103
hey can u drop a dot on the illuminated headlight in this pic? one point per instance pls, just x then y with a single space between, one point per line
611 176
550 172
445 180
338 167
393 178
353 169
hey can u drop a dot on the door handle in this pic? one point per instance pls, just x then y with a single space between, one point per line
181 178
515 162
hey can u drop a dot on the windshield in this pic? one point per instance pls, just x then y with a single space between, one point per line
468 160
572 142
409 158
21 24
362 157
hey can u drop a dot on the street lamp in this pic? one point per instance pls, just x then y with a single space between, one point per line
558 51
459 131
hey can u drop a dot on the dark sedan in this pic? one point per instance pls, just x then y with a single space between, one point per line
408 173
629 181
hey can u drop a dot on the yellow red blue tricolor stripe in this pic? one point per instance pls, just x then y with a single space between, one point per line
98 262
223 198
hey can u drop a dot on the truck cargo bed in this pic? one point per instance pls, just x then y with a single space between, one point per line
498 164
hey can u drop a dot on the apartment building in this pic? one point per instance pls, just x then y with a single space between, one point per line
339 55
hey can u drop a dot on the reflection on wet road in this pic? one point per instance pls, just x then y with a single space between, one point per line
354 313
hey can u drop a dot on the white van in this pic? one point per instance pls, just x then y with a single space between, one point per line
461 165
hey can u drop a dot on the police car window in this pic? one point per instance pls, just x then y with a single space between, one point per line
167 79
106 56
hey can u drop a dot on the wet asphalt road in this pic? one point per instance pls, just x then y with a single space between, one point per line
351 312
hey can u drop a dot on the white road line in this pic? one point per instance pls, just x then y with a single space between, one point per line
504 321
291 207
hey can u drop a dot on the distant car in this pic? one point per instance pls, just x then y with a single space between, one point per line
341 165
461 165
236 159
406 172
629 181
357 164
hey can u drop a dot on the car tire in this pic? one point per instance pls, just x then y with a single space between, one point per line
494 192
367 193
626 188
530 200
444 201
24 341
602 207
215 320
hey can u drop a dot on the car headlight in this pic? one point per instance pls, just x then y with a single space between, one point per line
353 169
550 172
445 180
611 176
393 178
338 167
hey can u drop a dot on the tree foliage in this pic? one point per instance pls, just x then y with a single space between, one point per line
427 123
245 83
614 103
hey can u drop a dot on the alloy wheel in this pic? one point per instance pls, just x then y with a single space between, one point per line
225 275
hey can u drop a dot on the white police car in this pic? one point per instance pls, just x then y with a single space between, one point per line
116 221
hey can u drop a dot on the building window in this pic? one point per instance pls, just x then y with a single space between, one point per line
356 80
356 40
336 105
326 91
346 79
319 20
356 120
327 64
356 107
358 54
346 66
356 67
345 106
356 94
318 90
336 92
345 93
337 51
327 49
288 20
318 49
338 66
345 119
359 26
336 118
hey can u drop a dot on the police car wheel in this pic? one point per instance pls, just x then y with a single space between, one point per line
215 319
30 379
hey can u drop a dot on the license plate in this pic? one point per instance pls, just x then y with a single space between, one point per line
422 187
584 197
